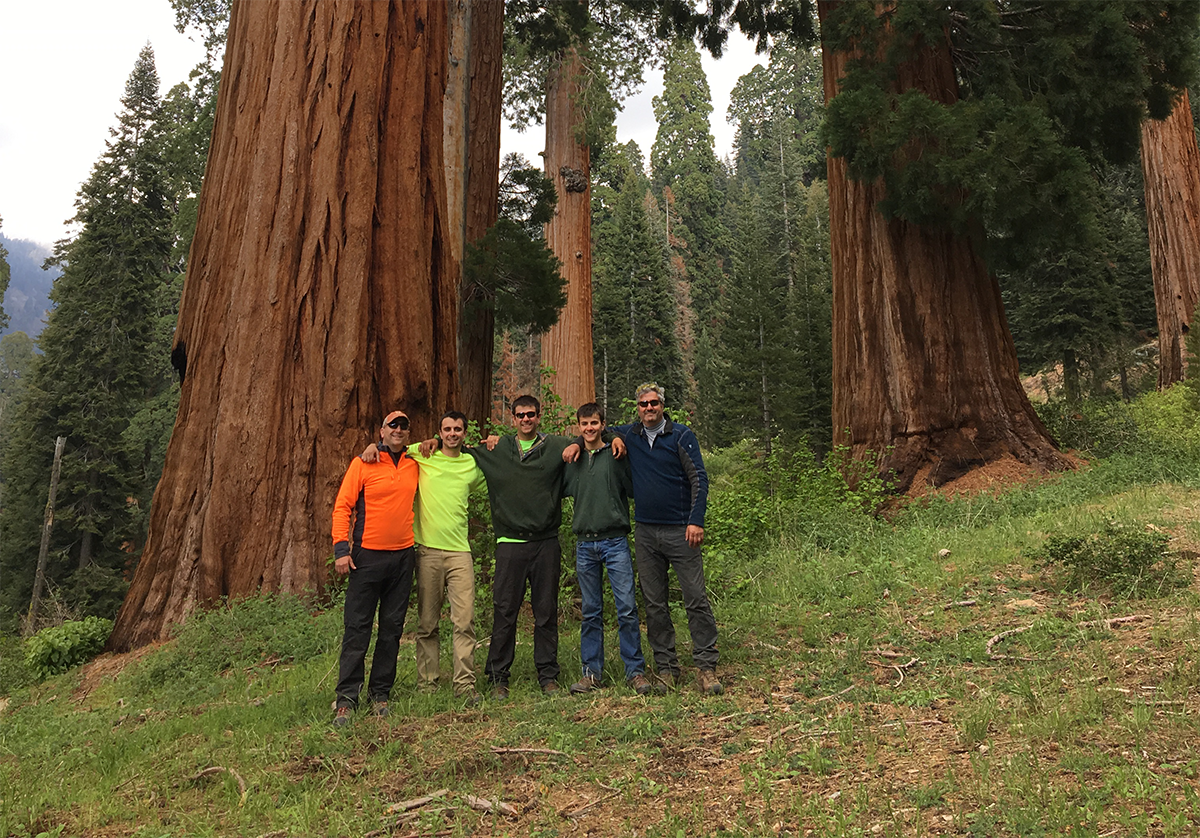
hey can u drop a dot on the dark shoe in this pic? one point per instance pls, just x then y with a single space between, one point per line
707 682
664 682
381 709
586 684
550 688
341 717
471 698
500 692
640 684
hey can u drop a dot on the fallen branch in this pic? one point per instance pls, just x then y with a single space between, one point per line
482 804
996 639
580 810
835 695
962 603
218 769
1115 621
415 803
545 751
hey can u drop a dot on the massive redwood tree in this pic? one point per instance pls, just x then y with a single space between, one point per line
567 346
320 293
925 374
1171 172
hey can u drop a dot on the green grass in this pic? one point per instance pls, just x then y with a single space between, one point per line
859 700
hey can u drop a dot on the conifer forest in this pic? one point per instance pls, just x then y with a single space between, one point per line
928 207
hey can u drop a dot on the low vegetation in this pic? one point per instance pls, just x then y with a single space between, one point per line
1019 662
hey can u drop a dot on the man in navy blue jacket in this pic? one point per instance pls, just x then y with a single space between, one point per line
670 495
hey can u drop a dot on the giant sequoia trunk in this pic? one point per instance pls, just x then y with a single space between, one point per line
473 103
1171 171
924 370
319 295
567 347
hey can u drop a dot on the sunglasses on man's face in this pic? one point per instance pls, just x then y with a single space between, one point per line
649 403
400 422
525 414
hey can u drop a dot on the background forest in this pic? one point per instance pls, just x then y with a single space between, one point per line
710 276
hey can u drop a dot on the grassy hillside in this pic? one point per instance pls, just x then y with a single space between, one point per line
1019 663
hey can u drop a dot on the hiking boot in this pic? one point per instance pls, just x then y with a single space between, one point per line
707 682
664 681
500 692
550 688
640 684
470 698
341 717
381 709
586 684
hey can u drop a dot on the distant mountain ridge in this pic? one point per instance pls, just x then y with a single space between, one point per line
27 300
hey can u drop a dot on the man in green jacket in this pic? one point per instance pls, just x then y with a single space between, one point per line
602 486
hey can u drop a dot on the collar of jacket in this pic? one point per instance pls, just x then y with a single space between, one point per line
640 430
521 452
400 455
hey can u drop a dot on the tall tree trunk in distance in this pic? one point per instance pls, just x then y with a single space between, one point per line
1171 171
320 294
567 347
474 122
925 373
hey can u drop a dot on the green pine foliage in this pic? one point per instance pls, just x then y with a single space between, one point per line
635 309
95 370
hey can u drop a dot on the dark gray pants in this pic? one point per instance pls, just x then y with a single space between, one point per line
538 563
382 580
656 548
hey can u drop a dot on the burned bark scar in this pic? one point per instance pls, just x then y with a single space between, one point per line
574 179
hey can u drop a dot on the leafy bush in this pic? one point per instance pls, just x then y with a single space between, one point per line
1127 559
56 649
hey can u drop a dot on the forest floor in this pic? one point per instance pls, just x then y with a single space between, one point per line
927 676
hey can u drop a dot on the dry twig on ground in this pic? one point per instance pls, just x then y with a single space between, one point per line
219 769
997 638
416 802
482 804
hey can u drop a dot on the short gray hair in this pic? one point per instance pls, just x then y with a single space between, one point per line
648 387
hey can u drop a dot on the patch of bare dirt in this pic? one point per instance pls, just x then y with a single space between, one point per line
108 666
995 476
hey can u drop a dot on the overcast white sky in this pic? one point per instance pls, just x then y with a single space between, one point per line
63 66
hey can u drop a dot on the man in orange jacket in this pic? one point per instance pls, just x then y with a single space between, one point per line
379 558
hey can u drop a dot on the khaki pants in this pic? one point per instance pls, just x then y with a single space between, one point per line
454 573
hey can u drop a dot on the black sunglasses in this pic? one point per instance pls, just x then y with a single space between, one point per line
400 422
649 403
525 414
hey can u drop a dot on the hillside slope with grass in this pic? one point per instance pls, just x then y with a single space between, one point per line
1022 662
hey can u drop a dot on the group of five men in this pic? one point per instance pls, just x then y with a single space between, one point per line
655 461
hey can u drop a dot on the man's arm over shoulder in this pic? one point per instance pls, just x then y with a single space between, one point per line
693 471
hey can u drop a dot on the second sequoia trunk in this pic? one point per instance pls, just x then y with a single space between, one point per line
925 374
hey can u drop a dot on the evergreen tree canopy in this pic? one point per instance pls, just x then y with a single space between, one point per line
96 368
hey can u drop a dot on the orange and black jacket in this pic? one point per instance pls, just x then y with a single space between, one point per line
380 497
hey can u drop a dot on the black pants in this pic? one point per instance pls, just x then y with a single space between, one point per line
659 548
383 579
539 563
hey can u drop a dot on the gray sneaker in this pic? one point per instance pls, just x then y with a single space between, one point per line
708 683
341 717
586 684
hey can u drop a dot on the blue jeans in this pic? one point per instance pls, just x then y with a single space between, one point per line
591 558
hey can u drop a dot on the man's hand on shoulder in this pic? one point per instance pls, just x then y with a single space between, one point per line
370 454
428 446
618 447
491 441
694 535
571 453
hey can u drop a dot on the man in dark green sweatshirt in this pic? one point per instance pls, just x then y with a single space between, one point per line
602 486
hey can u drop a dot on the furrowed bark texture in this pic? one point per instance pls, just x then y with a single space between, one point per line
1171 172
567 346
925 372
476 331
319 296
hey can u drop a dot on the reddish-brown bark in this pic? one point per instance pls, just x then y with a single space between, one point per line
567 347
319 295
925 374
1171 172
480 65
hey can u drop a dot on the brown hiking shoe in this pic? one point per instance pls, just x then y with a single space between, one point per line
708 683
500 692
341 717
640 684
550 688
663 682
586 684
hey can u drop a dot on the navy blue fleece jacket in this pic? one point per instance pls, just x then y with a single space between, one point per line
670 485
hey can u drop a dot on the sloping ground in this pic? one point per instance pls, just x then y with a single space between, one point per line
984 703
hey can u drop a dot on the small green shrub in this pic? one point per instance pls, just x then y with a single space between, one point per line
14 673
56 649
1127 559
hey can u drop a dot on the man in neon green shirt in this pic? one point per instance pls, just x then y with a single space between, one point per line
445 568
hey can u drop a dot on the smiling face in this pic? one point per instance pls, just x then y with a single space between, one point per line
452 433
527 419
394 430
650 408
591 427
